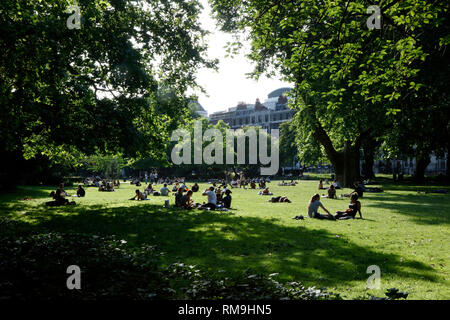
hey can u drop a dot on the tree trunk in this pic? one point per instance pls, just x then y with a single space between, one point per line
345 163
369 158
422 163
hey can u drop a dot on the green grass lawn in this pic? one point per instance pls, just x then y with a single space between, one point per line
403 232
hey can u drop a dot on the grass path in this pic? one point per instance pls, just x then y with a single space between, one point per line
405 233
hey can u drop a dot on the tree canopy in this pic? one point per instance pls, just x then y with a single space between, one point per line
348 78
117 84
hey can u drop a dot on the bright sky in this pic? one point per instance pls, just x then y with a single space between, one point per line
229 85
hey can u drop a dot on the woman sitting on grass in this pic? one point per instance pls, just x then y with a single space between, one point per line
139 195
313 207
179 197
320 187
280 199
186 200
353 208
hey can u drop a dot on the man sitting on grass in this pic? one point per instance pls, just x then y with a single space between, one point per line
164 190
212 199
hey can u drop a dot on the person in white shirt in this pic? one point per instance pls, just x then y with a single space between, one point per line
212 198
164 190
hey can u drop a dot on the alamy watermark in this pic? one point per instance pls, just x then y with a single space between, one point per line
74 20
74 280
374 21
373 282
213 152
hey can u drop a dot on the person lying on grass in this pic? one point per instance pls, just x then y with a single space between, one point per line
353 208
265 192
139 195
279 199
313 207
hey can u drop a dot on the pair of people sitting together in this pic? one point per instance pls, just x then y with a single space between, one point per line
354 207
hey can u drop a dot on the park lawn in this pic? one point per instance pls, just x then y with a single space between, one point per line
403 232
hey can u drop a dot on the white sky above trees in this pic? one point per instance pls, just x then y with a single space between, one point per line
230 84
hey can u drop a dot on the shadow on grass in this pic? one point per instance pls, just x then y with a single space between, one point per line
226 241
430 209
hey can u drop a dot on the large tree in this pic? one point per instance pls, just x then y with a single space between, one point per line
347 77
117 83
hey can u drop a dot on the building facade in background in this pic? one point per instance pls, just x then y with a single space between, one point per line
267 115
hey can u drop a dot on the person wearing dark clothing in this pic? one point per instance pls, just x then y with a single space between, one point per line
227 199
353 208
80 191
358 189
178 198
195 187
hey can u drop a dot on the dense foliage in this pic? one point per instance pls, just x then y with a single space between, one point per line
349 80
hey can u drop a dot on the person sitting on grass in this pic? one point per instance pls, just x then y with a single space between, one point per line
149 189
59 197
175 187
265 192
212 199
218 195
331 193
279 199
80 191
186 200
336 184
179 197
139 195
227 199
313 207
353 208
320 187
195 187
117 183
262 184
164 190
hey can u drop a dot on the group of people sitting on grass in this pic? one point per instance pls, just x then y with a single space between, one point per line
216 198
107 186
